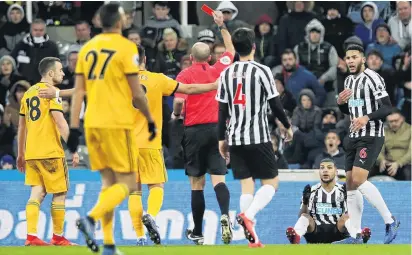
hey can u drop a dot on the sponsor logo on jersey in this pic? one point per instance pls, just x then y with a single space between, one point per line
356 102
326 208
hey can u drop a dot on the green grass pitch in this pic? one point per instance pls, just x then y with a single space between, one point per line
224 250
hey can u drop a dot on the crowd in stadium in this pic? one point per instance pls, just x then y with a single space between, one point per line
304 48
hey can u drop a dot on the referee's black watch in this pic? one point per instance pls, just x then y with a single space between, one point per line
175 114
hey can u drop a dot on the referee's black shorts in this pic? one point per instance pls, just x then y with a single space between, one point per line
255 160
201 151
362 152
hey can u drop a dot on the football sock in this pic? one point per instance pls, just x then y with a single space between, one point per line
107 227
301 226
359 204
355 212
374 197
136 212
245 201
113 196
350 229
198 210
32 216
262 198
223 197
155 201
57 213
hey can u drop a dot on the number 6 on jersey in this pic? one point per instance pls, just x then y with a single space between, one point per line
240 98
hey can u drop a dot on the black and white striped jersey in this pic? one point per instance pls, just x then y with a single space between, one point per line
368 88
327 207
246 87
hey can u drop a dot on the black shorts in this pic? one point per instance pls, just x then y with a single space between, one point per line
201 151
325 233
256 160
362 152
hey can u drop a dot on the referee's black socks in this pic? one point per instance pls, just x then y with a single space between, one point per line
223 197
198 210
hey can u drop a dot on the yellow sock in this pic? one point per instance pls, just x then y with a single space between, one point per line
136 212
57 213
155 201
111 198
107 226
32 216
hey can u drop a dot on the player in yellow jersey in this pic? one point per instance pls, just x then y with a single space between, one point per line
41 154
151 168
107 72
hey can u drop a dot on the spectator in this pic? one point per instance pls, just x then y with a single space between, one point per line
384 10
297 77
375 62
329 119
288 101
318 56
404 73
68 79
152 32
387 47
306 115
338 27
134 36
400 24
7 133
370 21
13 107
185 62
7 162
8 76
281 161
129 22
332 150
97 26
230 12
14 30
206 36
265 41
32 49
83 32
291 29
66 109
395 157
170 52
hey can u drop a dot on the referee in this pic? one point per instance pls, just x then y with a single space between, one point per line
245 90
200 144
366 101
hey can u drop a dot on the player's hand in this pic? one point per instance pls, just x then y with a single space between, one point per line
152 130
224 151
75 159
382 165
393 169
306 194
218 18
289 135
21 164
73 140
358 123
49 92
344 96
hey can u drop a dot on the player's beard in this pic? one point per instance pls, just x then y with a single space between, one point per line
328 181
358 69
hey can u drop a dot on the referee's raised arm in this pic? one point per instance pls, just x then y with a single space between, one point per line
227 38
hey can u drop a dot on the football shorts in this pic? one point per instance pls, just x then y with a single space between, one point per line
113 149
52 174
151 168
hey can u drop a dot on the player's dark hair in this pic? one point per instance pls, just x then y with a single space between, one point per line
328 160
161 3
355 47
243 40
289 51
109 15
142 54
46 64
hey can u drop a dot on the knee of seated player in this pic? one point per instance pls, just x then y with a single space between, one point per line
341 223
311 226
59 197
38 193
197 183
158 185
216 179
359 176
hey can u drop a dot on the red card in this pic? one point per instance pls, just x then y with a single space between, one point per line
209 11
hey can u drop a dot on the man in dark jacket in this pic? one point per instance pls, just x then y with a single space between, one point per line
332 150
265 41
8 76
291 29
14 30
337 27
32 49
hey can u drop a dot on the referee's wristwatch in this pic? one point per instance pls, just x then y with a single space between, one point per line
175 114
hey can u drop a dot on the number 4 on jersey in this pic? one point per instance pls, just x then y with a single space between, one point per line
240 98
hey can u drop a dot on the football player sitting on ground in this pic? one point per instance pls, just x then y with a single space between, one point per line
323 217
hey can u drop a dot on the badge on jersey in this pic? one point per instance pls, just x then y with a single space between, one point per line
135 59
58 100
225 60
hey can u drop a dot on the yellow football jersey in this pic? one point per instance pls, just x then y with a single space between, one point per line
105 61
42 137
156 86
